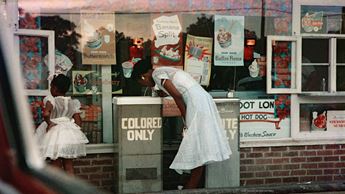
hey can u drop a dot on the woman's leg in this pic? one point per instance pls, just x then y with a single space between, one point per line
195 178
56 163
68 165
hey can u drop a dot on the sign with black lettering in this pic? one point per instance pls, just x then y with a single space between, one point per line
259 120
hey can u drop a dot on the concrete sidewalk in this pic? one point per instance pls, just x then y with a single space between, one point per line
337 187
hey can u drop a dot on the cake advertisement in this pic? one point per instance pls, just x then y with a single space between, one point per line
198 53
166 49
313 19
86 82
98 38
229 40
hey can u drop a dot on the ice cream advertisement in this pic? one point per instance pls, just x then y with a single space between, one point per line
98 38
228 40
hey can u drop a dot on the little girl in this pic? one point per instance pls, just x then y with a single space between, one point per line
59 136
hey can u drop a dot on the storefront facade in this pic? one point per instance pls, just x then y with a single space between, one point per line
283 59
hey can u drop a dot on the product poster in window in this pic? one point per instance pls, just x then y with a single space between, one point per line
312 19
228 40
198 53
166 49
265 118
98 38
86 82
336 120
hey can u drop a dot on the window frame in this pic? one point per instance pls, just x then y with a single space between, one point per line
50 35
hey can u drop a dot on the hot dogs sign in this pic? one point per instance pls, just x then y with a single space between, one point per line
259 121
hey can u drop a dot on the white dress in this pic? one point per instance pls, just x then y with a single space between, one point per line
205 141
64 140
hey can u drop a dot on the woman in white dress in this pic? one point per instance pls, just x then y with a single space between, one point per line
59 136
205 140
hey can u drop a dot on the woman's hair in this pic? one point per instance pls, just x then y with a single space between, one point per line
140 68
61 82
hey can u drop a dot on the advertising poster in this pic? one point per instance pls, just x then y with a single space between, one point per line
312 20
86 82
198 53
259 120
335 120
166 49
228 40
98 38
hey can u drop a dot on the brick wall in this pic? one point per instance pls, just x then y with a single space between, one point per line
98 169
292 164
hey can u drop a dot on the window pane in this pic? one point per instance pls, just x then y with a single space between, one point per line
340 78
33 50
340 50
315 78
311 54
282 65
321 117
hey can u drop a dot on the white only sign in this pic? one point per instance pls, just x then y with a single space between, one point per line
166 30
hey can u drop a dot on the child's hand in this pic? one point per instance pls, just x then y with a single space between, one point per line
161 93
50 125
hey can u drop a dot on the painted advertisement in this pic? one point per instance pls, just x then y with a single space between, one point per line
166 49
336 120
198 53
98 38
229 40
259 120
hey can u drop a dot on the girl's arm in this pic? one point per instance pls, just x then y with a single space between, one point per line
46 115
177 96
77 119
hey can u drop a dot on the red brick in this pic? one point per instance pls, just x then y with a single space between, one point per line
314 147
83 176
290 180
242 155
314 172
261 149
290 154
298 160
325 165
340 165
246 161
307 153
280 160
293 148
298 172
333 147
291 166
331 171
309 166
263 161
256 168
275 149
324 178
325 152
94 182
255 181
314 159
254 155
272 154
102 162
108 169
274 167
281 173
339 177
99 176
331 158
307 178
243 168
339 152
107 182
263 174
246 175
273 180
246 150
81 162
91 169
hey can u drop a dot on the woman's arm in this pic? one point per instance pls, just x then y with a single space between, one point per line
77 119
46 115
177 96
